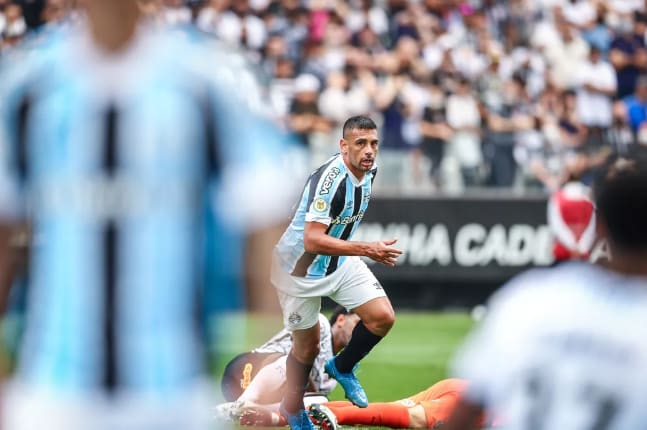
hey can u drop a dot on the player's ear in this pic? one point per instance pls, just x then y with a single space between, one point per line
343 146
340 319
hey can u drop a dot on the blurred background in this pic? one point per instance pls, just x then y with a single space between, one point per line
484 107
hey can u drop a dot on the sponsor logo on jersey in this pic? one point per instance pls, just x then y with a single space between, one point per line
320 205
328 180
377 286
348 219
294 318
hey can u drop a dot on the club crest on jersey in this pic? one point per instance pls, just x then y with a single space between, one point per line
320 205
327 183
294 318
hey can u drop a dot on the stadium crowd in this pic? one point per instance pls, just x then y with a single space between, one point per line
512 94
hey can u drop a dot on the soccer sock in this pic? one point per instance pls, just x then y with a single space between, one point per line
361 343
376 414
297 374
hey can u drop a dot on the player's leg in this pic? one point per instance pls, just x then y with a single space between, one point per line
360 292
376 319
301 316
392 415
439 389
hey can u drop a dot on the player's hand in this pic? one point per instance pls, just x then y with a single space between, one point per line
382 252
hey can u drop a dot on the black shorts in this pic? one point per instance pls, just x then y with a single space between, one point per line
240 371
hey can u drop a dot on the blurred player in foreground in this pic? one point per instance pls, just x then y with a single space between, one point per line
114 143
566 347
258 377
316 258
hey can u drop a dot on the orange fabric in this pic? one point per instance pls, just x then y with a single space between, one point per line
438 401
439 409
391 415
439 389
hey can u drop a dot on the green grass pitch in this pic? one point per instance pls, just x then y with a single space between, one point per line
412 357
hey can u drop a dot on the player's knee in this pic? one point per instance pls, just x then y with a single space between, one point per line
387 320
381 323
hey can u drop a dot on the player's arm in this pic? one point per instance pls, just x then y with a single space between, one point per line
316 241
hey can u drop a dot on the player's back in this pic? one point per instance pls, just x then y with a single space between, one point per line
563 348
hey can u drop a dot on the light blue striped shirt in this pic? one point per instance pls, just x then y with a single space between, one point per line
115 159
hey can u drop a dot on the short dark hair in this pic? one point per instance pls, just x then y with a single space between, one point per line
339 310
620 193
358 122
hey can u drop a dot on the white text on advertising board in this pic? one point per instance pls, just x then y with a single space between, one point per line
473 245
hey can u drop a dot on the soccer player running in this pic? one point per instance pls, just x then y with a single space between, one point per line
566 347
316 258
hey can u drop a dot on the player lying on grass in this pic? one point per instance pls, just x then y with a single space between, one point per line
428 409
258 377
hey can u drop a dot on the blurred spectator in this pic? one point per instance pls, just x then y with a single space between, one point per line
580 13
209 15
175 12
596 83
507 120
55 11
635 105
305 117
620 136
566 55
464 148
238 26
434 129
343 98
281 88
629 41
599 34
366 16
12 22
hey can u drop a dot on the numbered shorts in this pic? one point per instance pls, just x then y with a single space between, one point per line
351 285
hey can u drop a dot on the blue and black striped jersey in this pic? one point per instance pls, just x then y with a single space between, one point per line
332 196
115 160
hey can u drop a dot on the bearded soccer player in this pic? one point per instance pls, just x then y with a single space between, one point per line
316 258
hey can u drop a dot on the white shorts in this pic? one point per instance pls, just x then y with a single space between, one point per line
351 285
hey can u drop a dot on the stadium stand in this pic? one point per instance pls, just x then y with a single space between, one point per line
506 94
